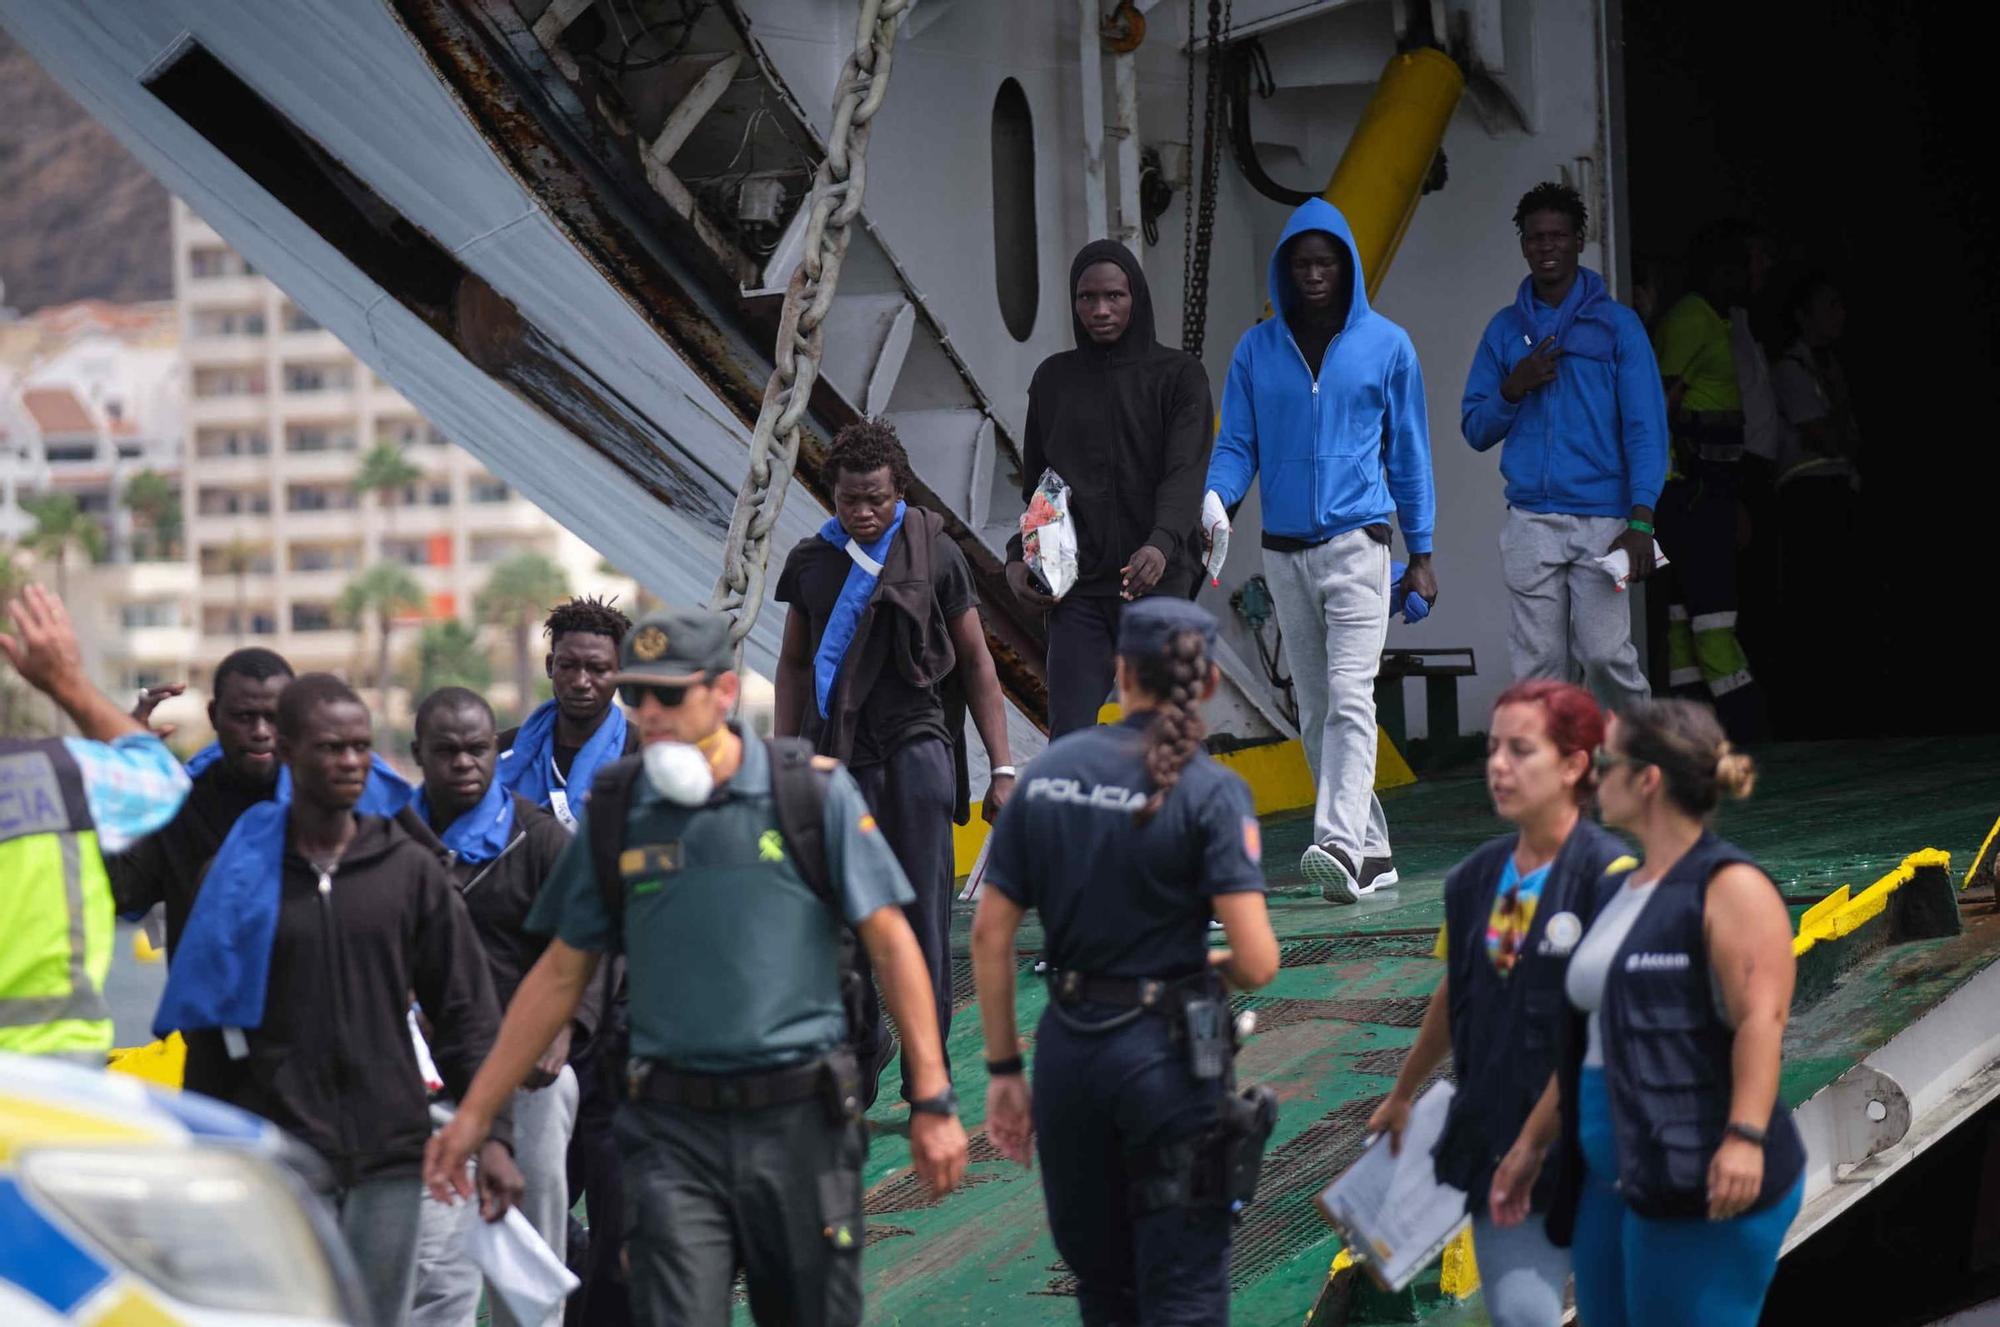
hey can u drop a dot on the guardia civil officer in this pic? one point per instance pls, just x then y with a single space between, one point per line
742 1141
1685 1165
1126 839
1514 912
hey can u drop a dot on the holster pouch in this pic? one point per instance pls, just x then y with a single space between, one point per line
1205 1021
1242 1133
840 1087
1216 1168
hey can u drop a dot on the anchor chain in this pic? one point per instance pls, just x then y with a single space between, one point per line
835 202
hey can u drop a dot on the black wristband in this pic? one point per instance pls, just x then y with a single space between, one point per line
1006 1068
1749 1133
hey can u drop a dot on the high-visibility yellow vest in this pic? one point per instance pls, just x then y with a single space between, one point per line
56 913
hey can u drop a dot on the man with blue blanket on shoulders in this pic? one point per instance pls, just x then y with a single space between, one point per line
318 917
883 656
235 772
561 746
500 851
1565 376
567 739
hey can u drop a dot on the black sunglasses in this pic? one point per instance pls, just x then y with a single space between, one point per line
1605 761
669 696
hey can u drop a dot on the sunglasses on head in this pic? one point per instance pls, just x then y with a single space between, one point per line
669 695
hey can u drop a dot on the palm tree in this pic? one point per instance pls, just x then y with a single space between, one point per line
386 472
61 525
382 592
448 655
520 593
155 501
239 557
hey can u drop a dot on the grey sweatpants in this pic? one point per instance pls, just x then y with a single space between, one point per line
1568 622
378 1219
1332 603
448 1285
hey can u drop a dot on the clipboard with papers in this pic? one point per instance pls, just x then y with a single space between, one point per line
1393 1213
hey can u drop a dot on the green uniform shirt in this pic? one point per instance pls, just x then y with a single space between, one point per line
732 960
1692 342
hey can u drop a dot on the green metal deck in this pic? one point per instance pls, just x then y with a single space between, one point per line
1348 999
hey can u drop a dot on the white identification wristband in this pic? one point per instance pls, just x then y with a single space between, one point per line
1002 772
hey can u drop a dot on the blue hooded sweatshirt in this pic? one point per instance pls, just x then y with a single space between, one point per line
1594 441
1339 450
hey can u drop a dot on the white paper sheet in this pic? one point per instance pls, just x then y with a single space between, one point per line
1393 1212
975 880
522 1269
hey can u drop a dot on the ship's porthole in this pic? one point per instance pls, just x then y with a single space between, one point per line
1016 253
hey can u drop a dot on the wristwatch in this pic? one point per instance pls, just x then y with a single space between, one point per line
1749 1133
944 1103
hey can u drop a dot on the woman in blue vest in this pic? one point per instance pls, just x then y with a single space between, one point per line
1514 912
1691 1167
1123 839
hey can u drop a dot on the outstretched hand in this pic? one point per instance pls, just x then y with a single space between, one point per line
43 647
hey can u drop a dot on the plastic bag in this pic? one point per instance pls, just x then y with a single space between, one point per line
1215 524
1048 536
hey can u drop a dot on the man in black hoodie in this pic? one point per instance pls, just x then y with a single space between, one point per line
366 914
499 848
167 867
1127 423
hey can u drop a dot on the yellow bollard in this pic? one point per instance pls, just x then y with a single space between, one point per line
161 1063
1460 1273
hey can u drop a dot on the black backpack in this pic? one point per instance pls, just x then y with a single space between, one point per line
798 794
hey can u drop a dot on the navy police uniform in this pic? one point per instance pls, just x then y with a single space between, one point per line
1115 1099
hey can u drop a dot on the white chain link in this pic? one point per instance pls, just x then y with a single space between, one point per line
835 201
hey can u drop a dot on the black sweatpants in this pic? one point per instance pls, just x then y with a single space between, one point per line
911 795
1083 660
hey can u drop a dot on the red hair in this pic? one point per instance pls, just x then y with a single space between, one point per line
1574 720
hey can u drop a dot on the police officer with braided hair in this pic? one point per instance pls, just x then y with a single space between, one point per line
1126 840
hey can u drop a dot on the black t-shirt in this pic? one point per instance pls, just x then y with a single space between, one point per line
1117 899
894 713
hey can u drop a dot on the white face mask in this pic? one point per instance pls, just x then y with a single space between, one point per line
679 772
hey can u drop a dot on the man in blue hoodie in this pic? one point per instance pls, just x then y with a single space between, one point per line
1327 401
1565 376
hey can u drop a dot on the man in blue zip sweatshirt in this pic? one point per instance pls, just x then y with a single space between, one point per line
1565 376
1327 402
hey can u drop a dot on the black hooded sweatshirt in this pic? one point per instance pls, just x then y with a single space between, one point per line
1129 427
333 1063
167 867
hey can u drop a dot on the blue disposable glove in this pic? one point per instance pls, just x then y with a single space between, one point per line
1415 607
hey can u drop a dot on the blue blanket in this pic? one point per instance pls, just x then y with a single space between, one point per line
529 769
481 833
862 577
222 969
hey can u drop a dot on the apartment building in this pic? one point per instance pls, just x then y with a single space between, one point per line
90 397
279 417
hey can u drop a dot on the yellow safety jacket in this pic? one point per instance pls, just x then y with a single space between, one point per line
56 913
